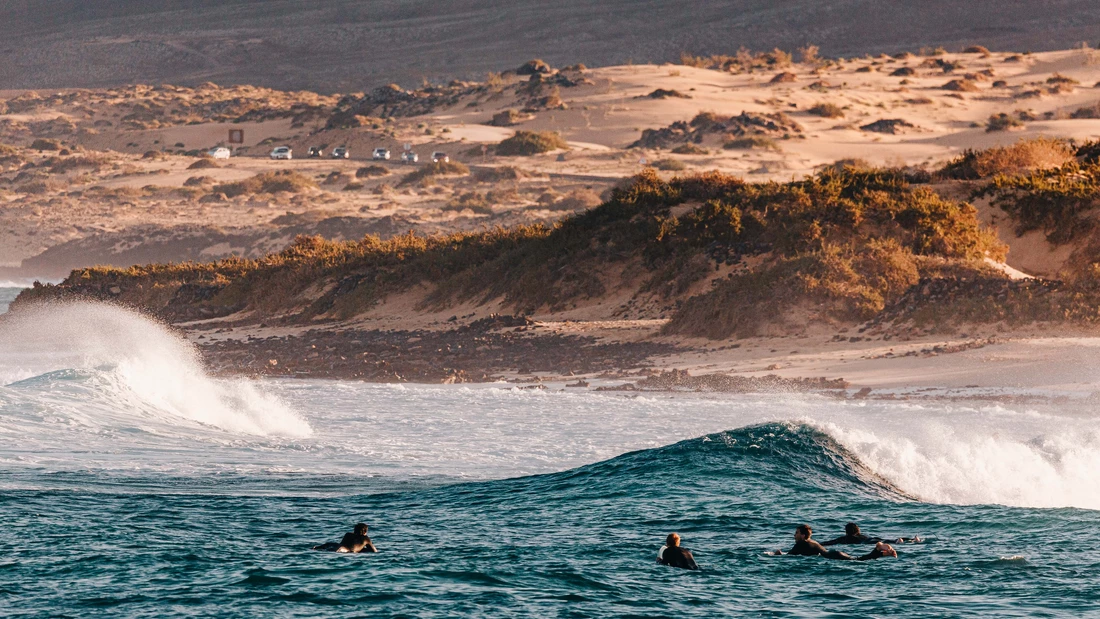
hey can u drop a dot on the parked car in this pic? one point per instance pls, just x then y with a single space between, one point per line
381 153
220 152
409 157
440 157
282 152
316 151
341 153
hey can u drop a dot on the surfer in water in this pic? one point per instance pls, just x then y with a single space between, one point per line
804 546
355 541
672 555
852 535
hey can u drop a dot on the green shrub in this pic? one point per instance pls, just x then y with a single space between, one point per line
1021 157
1061 202
845 286
840 244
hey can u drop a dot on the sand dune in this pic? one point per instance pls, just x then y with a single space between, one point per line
341 45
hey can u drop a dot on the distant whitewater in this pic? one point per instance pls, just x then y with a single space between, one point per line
125 466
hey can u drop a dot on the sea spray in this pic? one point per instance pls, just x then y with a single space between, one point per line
967 464
138 364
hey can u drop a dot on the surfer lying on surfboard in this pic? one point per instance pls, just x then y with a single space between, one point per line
355 541
806 547
852 535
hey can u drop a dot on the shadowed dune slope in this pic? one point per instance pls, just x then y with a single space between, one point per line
341 45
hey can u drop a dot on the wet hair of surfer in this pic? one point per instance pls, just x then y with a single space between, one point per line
672 555
851 529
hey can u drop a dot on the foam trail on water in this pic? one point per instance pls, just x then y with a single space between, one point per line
142 364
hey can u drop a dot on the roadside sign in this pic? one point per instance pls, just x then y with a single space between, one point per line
408 146
236 136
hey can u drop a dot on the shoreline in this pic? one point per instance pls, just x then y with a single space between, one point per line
1048 363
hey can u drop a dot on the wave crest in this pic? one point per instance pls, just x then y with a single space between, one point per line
130 365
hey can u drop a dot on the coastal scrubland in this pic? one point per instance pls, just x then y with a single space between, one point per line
728 258
724 199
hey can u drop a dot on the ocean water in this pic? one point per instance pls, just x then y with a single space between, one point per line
133 484
8 292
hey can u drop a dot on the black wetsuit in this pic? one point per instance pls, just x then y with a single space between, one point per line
853 539
675 556
807 548
349 541
810 548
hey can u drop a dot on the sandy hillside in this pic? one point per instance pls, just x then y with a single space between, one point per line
119 177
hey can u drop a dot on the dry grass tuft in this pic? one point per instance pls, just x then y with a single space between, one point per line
267 183
1002 122
962 85
526 143
45 144
371 171
827 110
202 164
690 149
435 168
751 142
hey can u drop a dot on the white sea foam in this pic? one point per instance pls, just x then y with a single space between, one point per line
132 365
105 388
1033 461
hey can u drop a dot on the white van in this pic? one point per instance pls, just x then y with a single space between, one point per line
220 152
282 152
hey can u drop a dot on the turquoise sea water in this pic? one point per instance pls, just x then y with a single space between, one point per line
132 485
